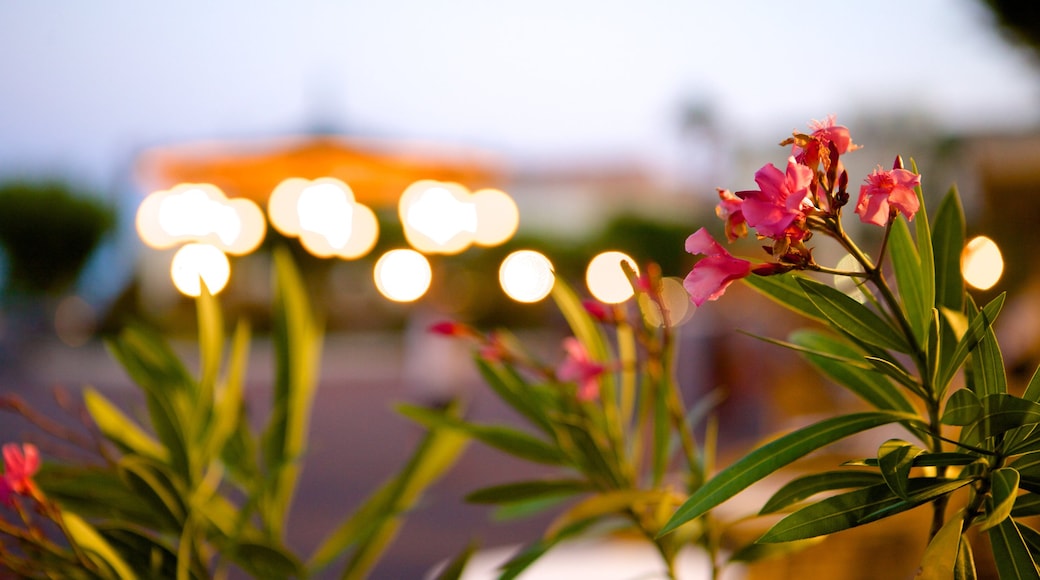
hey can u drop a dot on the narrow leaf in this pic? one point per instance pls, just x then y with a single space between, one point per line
809 485
940 558
120 429
895 458
765 460
855 508
948 243
88 538
962 408
910 279
528 490
1004 487
870 386
785 290
975 332
852 317
1011 553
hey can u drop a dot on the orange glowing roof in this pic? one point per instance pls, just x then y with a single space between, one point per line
378 171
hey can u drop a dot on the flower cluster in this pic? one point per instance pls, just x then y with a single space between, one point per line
790 204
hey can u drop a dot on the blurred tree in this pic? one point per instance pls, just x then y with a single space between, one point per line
48 230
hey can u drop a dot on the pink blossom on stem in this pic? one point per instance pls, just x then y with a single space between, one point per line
828 131
729 210
885 192
713 273
20 464
783 197
578 367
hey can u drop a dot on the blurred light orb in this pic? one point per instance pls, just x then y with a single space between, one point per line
324 209
197 263
403 275
74 321
498 217
438 217
848 284
325 216
191 212
526 276
676 302
606 278
981 263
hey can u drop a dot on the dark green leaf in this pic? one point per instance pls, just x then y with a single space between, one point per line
965 567
1033 388
855 508
1001 413
785 290
765 460
986 369
1004 487
962 408
453 570
88 539
868 385
758 552
895 458
527 490
266 560
948 244
809 485
852 317
910 279
975 332
1011 553
1026 505
512 441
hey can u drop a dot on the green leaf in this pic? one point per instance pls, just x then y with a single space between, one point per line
211 346
266 560
531 401
1010 552
87 538
975 332
512 441
527 490
757 552
606 504
453 570
1004 487
153 484
895 458
228 407
809 485
924 245
986 368
1026 505
910 277
855 508
962 408
371 528
785 290
828 354
297 347
1032 392
852 317
948 244
530 554
770 457
965 566
940 558
120 429
1001 413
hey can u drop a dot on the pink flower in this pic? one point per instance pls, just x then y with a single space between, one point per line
713 273
20 464
729 209
827 131
885 192
783 198
579 368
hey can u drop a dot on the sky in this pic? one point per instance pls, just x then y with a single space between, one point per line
87 85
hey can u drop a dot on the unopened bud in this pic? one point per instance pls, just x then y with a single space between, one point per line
771 269
898 163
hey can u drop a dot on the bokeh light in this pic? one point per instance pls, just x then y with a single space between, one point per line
445 218
324 215
981 263
526 276
196 263
849 284
607 280
403 275
498 217
200 212
676 302
74 321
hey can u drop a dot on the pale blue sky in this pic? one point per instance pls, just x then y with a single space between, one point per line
86 84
